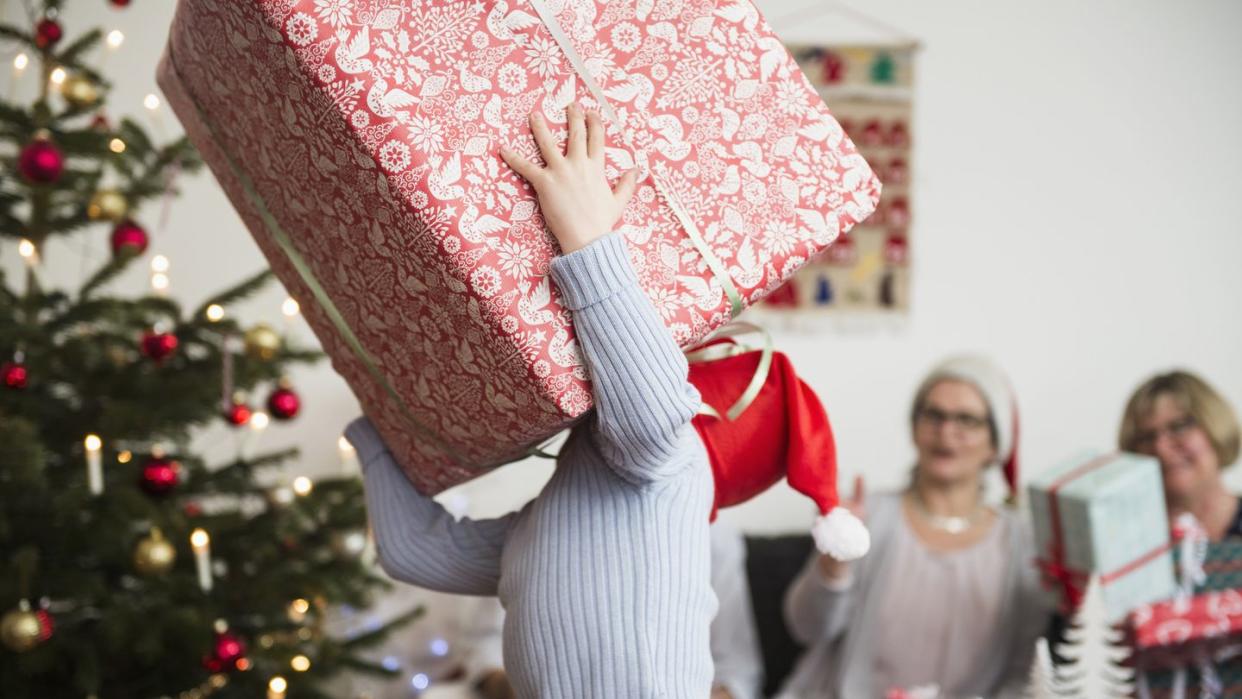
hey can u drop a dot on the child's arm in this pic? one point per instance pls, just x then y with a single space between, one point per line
418 541
644 403
643 398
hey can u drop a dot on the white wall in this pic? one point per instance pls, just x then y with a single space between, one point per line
1079 192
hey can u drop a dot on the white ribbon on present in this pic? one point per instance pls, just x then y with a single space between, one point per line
1193 553
718 270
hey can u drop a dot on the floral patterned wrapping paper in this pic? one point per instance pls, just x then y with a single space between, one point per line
368 131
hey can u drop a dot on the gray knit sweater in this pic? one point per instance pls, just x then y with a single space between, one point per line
605 575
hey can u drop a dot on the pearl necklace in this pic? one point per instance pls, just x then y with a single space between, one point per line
947 523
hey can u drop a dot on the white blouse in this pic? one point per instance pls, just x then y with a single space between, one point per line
941 611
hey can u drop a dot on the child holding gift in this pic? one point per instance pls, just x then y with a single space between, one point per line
605 575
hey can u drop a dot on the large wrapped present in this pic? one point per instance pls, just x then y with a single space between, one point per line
359 139
1105 515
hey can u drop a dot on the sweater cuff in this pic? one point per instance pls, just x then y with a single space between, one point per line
366 440
594 273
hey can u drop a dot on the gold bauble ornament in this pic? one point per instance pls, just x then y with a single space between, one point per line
79 91
262 342
108 204
154 555
20 629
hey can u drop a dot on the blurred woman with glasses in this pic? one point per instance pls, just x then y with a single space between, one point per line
949 595
1186 424
1182 421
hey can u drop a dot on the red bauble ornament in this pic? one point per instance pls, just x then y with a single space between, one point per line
13 375
160 475
283 404
46 625
226 651
158 346
47 33
41 161
119 3
128 238
238 414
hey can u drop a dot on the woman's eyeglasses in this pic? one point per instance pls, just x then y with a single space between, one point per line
1146 440
966 422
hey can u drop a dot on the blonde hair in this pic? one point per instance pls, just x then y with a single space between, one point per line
1209 410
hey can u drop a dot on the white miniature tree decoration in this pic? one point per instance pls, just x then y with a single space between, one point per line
1045 679
1093 647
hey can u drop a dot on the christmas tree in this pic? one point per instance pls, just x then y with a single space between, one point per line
129 566
1095 652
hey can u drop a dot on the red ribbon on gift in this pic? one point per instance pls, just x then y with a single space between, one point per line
1073 582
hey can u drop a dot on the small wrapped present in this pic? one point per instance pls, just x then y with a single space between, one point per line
1105 514
1191 645
1181 631
359 141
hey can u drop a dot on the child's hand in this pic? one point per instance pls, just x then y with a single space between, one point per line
578 204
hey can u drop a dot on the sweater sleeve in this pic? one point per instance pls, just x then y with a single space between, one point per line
817 609
418 541
644 401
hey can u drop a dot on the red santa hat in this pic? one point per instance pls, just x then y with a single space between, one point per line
762 423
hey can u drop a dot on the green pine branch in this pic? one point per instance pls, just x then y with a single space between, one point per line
136 140
83 142
8 31
70 54
16 118
239 292
111 270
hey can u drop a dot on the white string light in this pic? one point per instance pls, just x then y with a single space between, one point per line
28 252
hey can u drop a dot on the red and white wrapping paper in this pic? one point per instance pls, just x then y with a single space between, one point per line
367 131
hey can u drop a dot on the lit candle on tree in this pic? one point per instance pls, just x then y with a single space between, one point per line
349 456
94 463
201 543
20 61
